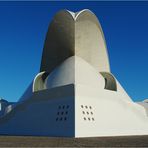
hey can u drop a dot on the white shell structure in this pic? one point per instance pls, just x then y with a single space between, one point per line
75 94
69 35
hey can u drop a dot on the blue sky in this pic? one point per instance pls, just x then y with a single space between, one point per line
23 27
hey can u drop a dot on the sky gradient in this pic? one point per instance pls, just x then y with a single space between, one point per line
23 27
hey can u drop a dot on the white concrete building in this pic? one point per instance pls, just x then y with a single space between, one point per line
75 94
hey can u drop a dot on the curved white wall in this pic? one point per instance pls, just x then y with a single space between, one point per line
75 70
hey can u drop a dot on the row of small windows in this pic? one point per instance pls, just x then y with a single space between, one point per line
82 106
87 111
91 113
90 119
62 113
63 107
61 119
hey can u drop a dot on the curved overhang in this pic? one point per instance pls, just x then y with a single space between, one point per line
77 34
59 42
110 81
89 41
38 82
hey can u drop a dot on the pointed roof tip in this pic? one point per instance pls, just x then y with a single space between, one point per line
75 15
84 11
71 13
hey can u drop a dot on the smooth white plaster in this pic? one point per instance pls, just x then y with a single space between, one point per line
72 100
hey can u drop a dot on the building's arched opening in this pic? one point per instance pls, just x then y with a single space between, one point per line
38 83
110 82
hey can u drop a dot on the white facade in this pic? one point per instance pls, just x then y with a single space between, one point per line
75 93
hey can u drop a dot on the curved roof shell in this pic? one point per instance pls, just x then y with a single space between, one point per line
77 34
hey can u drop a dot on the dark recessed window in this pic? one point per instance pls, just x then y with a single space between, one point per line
90 107
61 119
59 107
62 113
93 119
84 118
58 113
92 113
86 107
81 106
56 119
66 112
63 106
88 118
67 106
83 112
65 118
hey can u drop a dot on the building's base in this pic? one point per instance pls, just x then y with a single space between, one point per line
25 141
